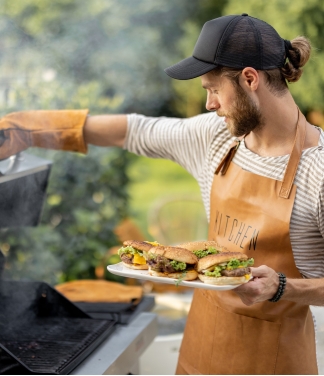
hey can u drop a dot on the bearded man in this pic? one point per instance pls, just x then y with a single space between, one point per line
259 165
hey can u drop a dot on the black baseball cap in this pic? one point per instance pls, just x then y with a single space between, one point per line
235 41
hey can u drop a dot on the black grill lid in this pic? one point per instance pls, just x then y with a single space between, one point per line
23 186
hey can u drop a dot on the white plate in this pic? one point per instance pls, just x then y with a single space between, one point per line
120 269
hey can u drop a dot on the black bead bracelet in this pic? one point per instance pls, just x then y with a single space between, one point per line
281 288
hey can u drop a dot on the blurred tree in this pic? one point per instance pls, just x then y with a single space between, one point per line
107 56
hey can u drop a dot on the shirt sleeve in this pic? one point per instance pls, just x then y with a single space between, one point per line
320 207
184 141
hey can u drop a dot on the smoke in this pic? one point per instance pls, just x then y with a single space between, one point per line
107 56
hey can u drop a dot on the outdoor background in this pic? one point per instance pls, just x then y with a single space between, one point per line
108 56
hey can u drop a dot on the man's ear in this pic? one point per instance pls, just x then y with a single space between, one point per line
250 79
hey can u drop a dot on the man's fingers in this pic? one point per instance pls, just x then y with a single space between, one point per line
260 271
2 137
263 286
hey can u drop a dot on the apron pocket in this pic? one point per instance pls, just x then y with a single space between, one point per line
244 345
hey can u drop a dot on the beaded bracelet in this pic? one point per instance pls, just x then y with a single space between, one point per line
281 288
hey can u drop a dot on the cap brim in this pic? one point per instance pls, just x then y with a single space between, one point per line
189 68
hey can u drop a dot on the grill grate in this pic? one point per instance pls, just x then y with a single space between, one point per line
57 350
42 332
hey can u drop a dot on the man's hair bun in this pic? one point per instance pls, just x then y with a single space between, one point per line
297 55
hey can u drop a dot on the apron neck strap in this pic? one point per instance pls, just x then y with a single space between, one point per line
225 162
293 161
294 158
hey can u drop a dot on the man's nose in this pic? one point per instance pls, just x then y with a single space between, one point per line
211 103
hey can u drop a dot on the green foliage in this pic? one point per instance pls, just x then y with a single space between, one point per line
106 55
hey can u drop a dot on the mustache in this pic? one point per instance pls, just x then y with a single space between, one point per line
220 114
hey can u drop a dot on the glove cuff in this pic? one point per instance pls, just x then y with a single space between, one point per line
68 132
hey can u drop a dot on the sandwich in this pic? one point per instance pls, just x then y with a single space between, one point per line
172 262
225 268
133 253
201 248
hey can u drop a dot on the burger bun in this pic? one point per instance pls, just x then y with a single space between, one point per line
223 280
211 260
188 275
139 245
175 253
136 266
199 245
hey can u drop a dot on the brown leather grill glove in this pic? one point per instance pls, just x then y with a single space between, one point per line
59 130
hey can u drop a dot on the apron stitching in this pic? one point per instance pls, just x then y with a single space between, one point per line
236 336
277 352
315 336
182 361
213 339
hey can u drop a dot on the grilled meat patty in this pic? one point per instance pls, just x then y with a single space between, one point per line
236 272
127 258
161 264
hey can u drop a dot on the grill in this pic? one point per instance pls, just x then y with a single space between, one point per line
41 332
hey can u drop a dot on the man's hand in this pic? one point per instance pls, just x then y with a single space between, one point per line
2 138
263 286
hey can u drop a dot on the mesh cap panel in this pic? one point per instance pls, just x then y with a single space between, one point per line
249 42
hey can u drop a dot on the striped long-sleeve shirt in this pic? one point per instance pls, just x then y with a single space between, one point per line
198 144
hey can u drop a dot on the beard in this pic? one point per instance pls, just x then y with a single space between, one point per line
244 117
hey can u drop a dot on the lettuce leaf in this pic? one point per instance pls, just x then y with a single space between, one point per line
234 263
205 252
177 265
130 250
180 279
216 272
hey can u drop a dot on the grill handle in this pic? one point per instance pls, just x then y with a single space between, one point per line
14 163
2 263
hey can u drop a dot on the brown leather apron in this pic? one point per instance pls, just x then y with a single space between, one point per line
251 214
